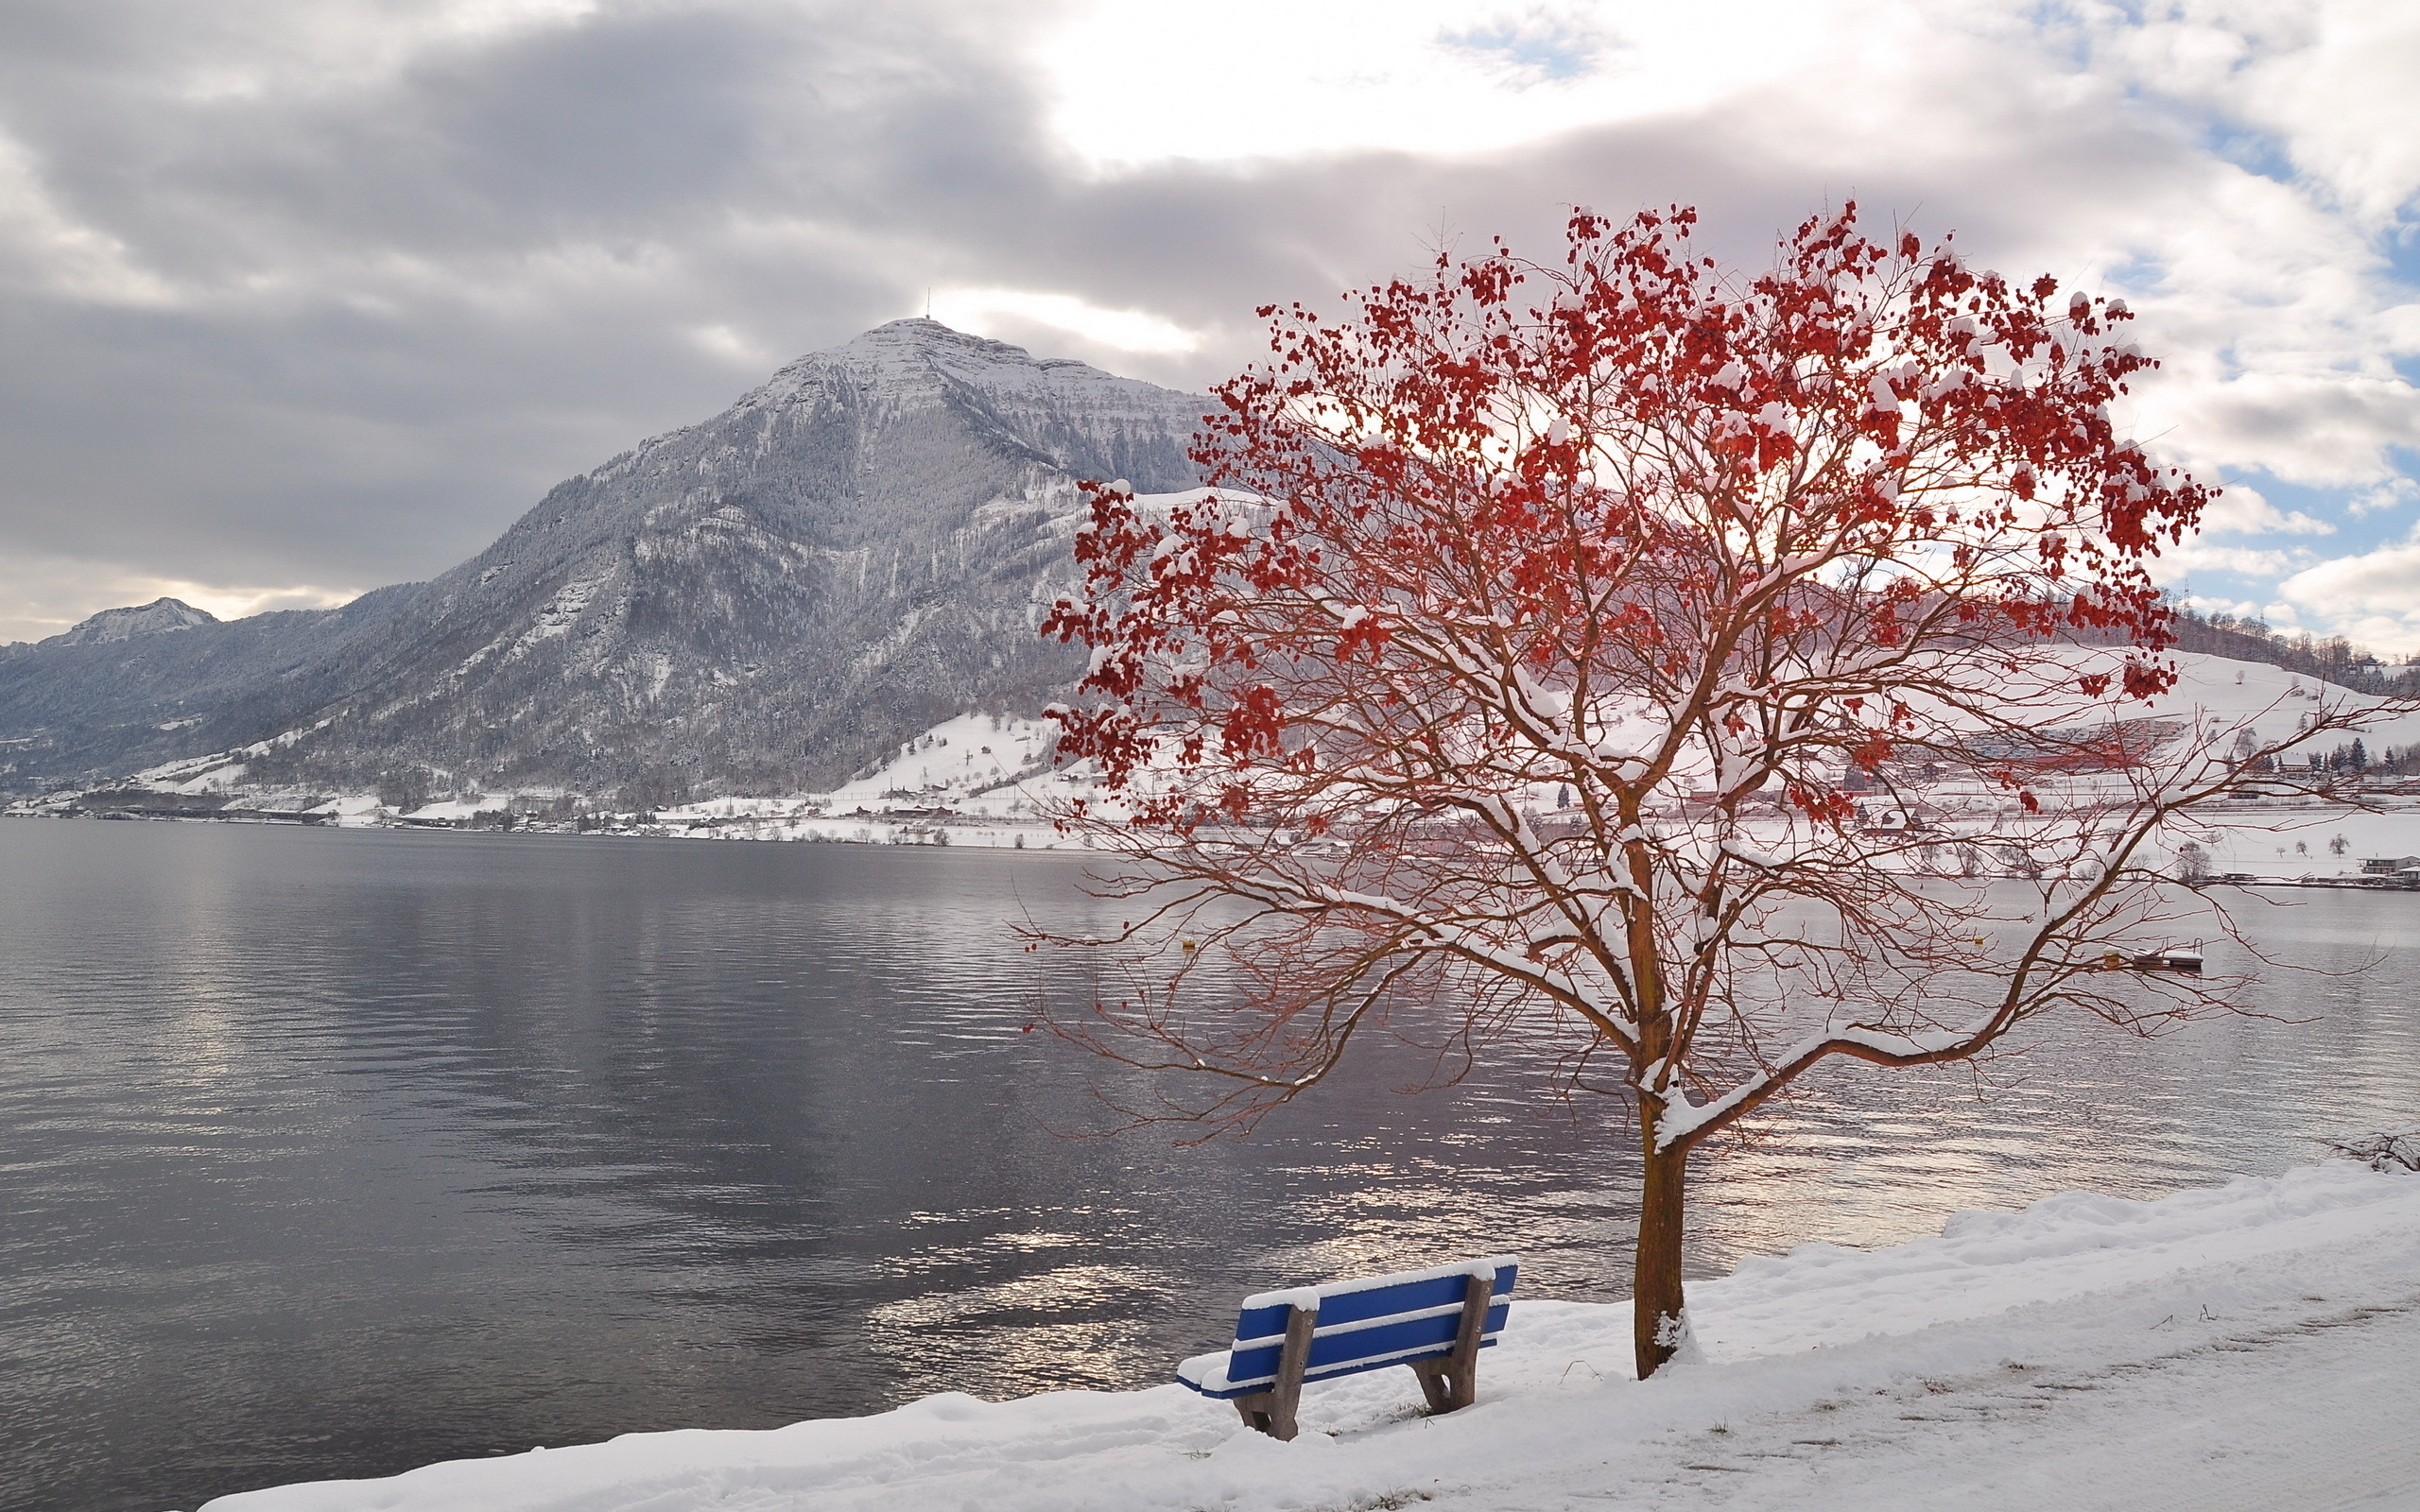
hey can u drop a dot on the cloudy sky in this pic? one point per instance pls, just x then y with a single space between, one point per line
302 297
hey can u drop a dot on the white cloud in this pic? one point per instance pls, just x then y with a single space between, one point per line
2176 563
2273 299
250 53
2242 510
975 311
2330 79
723 342
2326 429
236 602
1139 82
2240 608
2257 250
2393 494
2373 598
2387 578
56 250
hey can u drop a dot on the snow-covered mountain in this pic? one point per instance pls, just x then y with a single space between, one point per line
77 713
155 618
772 599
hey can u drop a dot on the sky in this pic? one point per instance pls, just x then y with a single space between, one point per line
299 298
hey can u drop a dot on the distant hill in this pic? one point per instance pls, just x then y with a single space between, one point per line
155 618
772 599
2333 658
81 710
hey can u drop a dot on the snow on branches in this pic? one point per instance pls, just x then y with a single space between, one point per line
1600 649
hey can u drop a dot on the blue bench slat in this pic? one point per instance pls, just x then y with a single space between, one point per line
1333 1373
1353 1368
1352 1307
1383 1345
1350 1367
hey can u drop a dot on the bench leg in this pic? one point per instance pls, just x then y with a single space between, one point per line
1272 1411
1451 1381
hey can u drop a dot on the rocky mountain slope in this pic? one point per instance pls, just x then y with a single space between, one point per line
772 599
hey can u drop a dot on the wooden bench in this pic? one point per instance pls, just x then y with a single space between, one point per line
1435 1320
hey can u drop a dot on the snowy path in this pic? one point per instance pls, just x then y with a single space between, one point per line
2254 1347
2322 1429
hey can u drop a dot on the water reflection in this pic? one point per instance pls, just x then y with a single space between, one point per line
332 1154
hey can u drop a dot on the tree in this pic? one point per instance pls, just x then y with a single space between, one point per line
1708 551
2194 862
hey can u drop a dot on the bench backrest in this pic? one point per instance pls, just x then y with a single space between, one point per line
1367 1324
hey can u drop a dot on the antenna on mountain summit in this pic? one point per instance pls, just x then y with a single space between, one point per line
929 301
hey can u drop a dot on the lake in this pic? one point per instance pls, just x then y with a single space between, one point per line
331 1153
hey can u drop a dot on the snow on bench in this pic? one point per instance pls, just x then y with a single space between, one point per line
1435 1320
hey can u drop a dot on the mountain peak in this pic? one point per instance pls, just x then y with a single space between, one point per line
920 343
919 363
155 618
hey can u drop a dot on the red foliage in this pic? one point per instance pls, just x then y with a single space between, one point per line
1630 472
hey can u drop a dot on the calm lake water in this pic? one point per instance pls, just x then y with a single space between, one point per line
331 1153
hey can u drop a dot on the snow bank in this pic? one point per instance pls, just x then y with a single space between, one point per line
2244 1346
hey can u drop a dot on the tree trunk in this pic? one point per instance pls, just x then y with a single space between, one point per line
1658 1313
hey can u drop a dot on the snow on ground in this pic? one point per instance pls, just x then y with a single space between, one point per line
348 810
2243 1348
2290 841
958 759
2270 700
458 810
990 777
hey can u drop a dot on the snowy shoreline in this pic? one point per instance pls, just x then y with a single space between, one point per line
2282 844
2242 1347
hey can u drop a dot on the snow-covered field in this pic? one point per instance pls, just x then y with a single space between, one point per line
977 779
2255 1346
